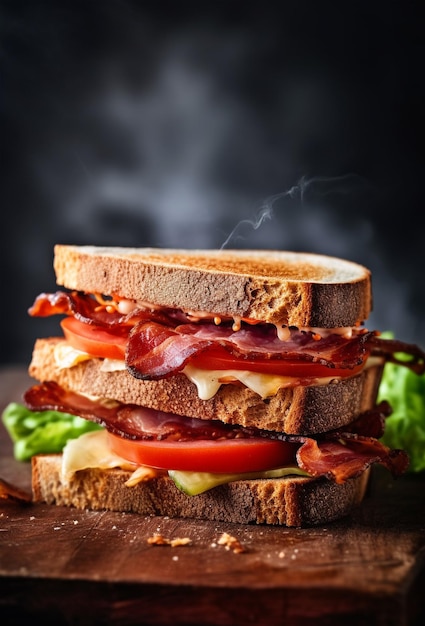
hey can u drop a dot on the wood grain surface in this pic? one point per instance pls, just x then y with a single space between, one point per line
67 566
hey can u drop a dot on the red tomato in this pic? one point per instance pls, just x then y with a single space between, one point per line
219 456
94 339
222 360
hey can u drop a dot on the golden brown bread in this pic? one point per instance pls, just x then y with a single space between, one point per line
287 288
293 501
300 410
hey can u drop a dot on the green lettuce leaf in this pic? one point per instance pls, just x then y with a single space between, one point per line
41 432
405 427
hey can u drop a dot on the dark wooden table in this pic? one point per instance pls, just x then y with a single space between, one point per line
64 566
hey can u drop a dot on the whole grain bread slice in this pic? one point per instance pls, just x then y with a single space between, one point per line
292 501
283 288
298 410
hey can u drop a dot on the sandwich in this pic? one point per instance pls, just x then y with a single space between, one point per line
228 385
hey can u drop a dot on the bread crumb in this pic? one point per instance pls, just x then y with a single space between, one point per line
160 540
231 543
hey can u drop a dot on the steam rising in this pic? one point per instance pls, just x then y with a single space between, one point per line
265 213
320 186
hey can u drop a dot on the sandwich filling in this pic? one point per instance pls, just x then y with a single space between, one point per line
152 343
137 437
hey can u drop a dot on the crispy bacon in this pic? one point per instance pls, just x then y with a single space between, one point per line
88 309
347 458
155 351
389 348
346 453
338 455
13 493
130 421
85 309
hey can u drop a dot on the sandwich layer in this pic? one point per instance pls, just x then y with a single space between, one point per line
293 501
283 288
298 410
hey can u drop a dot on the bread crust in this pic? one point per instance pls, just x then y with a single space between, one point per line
283 288
292 501
299 410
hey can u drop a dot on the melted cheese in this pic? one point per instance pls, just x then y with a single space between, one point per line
112 365
92 450
66 356
208 382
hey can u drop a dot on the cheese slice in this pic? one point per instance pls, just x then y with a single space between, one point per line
88 452
208 382
66 356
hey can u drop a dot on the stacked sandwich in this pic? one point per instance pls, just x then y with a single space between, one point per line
231 385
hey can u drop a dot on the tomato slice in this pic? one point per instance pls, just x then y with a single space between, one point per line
94 339
218 456
222 360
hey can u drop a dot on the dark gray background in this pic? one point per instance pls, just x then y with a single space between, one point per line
187 124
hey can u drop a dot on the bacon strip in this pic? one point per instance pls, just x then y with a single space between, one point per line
88 310
346 453
337 455
130 421
388 348
341 460
155 351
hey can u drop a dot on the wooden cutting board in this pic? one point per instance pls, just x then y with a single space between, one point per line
65 566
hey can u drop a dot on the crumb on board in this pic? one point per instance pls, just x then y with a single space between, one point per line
231 543
228 541
159 540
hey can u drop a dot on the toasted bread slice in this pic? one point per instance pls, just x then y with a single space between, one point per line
283 288
297 410
292 501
